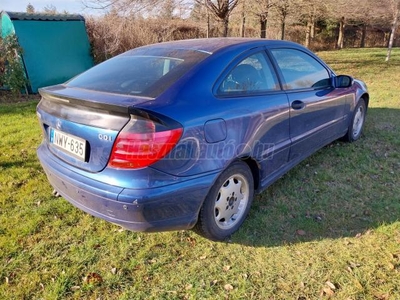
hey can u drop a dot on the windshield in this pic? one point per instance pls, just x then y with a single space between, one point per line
141 72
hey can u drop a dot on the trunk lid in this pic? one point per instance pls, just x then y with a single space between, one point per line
80 126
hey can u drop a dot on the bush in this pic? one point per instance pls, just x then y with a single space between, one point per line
12 74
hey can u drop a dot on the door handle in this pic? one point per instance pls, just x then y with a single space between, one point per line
298 104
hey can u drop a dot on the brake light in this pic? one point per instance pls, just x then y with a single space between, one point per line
139 144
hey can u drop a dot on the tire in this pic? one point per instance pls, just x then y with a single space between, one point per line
227 203
357 122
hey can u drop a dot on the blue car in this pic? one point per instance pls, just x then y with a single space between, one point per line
182 134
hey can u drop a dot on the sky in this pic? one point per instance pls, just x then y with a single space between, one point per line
72 6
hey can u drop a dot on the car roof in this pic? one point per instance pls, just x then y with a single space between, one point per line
211 45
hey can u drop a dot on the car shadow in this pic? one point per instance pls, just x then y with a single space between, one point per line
343 190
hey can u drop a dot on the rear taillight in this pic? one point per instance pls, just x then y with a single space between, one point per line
141 143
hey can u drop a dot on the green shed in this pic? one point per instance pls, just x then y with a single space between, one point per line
55 47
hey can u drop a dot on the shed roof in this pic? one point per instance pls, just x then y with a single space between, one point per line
43 17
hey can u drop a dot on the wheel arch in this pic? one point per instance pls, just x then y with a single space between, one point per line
255 170
365 97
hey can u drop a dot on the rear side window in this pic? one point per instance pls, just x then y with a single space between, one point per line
142 72
300 70
254 74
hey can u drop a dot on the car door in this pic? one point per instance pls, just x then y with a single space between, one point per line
316 107
252 85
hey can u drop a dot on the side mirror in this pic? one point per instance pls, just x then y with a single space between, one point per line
343 81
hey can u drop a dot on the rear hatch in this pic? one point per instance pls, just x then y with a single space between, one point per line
80 126
82 119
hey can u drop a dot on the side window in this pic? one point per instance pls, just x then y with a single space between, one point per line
300 70
252 75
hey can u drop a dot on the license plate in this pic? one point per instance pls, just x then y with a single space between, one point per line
69 143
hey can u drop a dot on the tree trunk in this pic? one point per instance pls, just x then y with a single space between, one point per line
263 25
242 28
283 24
307 41
226 26
386 39
392 33
284 13
363 35
312 29
208 25
308 32
340 40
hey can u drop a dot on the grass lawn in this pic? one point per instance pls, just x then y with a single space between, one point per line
328 228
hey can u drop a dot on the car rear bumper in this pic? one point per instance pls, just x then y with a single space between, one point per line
172 206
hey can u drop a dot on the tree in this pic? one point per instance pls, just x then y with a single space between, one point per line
396 15
310 12
282 8
366 13
359 13
30 9
222 9
340 40
199 13
261 10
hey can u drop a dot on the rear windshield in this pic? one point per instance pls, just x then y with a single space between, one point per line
141 72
